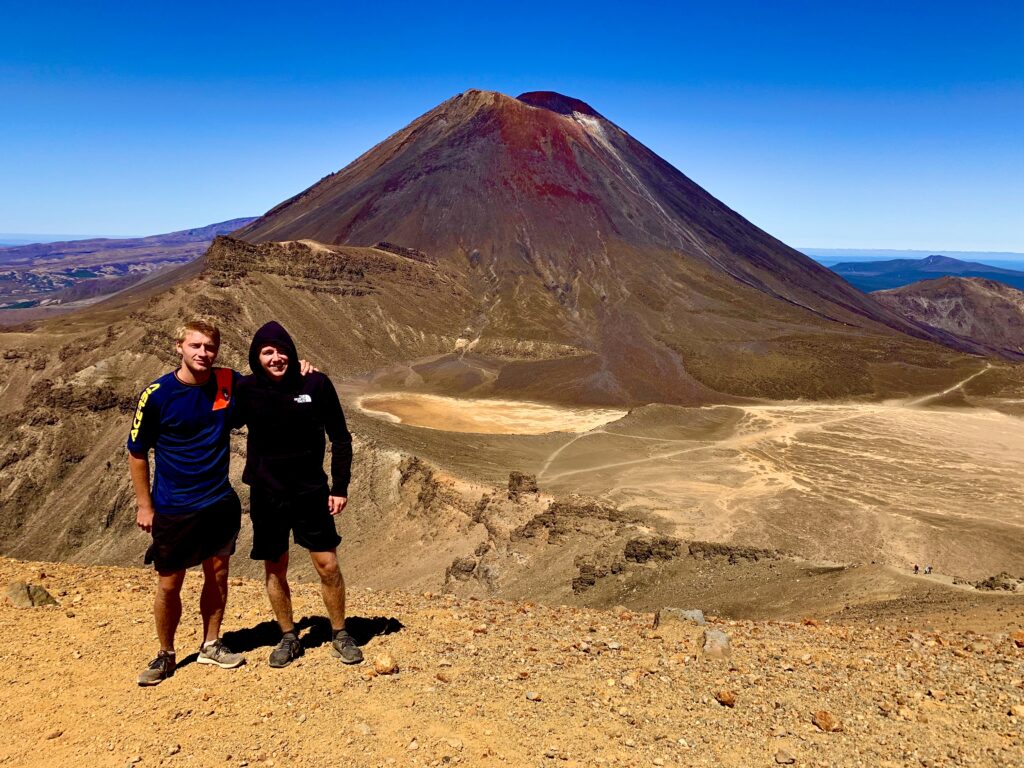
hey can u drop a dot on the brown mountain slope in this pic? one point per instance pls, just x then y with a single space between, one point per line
983 311
550 297
561 224
69 388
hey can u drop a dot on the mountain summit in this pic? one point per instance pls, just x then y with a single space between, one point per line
569 230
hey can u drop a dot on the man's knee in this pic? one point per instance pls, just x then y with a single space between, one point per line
168 583
326 564
217 566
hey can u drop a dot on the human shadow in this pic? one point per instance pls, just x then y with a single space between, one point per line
362 629
313 632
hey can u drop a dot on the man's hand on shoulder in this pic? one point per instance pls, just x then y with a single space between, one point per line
144 518
336 503
306 367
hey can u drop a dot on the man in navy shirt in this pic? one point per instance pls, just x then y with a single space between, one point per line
194 515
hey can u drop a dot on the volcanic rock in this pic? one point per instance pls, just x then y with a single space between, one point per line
22 595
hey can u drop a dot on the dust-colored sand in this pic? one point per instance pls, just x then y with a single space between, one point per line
496 417
489 683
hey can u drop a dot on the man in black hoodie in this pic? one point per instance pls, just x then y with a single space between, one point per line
288 415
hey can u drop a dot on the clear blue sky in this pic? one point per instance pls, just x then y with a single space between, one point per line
844 125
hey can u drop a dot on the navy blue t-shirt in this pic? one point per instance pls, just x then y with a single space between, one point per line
189 429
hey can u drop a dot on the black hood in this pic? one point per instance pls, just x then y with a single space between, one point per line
274 333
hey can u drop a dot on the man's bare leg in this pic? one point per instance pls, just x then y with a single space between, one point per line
212 603
167 607
279 592
214 597
332 586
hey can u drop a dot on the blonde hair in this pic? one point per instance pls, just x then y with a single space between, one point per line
200 326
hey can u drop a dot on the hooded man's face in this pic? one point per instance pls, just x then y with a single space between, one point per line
274 361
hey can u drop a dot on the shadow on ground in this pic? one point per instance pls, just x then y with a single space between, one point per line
314 631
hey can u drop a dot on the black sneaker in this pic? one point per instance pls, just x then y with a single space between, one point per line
159 669
344 647
287 651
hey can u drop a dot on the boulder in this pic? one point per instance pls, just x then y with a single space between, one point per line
22 595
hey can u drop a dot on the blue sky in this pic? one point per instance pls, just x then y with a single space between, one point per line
844 125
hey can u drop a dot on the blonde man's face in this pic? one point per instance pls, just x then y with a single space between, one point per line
198 352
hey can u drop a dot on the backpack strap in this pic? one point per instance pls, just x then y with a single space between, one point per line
225 378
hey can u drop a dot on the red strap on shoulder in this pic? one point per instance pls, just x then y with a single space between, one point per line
225 377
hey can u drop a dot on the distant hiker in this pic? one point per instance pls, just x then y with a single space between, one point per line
927 570
288 416
917 569
192 511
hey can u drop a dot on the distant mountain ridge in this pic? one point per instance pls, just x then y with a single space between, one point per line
872 276
985 312
51 274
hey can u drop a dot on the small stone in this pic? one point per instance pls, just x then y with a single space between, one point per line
937 694
532 696
442 677
174 749
54 735
385 664
716 644
70 614
1017 710
455 744
364 729
826 721
906 714
684 615
1018 638
22 595
413 745
726 698
782 757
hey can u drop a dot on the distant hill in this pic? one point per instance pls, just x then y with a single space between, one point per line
986 312
883 275
52 274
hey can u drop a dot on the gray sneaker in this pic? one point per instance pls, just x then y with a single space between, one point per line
159 669
344 647
219 654
286 652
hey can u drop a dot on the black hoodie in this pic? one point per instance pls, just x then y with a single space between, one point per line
287 421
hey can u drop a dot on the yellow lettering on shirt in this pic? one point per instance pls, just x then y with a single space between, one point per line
138 411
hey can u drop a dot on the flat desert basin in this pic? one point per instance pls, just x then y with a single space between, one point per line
494 417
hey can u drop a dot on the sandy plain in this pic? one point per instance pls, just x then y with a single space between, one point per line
930 479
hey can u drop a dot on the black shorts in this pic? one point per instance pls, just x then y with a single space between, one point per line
274 517
186 539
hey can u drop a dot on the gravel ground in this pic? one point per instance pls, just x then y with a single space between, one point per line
490 682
